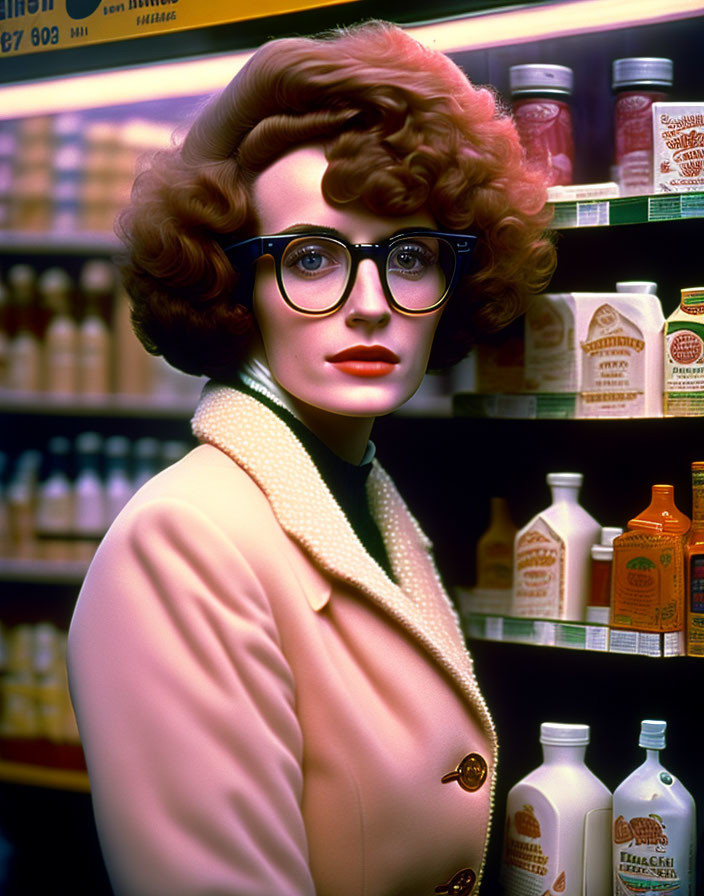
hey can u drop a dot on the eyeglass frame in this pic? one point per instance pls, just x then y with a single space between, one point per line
246 252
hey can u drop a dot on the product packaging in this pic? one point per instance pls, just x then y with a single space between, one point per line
602 553
684 357
540 96
552 556
678 146
558 819
638 83
604 348
694 566
654 838
648 568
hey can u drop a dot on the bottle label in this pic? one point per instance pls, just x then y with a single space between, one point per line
545 129
684 367
695 614
648 592
643 860
530 859
539 573
550 363
633 140
613 366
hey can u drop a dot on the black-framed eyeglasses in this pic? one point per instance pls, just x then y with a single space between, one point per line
315 271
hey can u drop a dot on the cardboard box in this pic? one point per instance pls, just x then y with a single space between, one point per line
678 147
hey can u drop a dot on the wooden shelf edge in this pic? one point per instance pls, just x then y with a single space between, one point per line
42 776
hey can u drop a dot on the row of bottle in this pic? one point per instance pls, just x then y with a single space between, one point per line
71 339
566 835
70 172
34 695
563 565
58 505
606 354
657 145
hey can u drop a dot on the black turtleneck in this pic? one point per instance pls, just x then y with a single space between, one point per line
346 481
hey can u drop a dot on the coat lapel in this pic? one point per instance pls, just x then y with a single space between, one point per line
271 454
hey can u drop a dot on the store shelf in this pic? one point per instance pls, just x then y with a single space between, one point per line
138 406
49 572
60 242
38 776
526 406
628 210
572 635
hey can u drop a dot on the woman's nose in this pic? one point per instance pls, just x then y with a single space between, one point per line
366 303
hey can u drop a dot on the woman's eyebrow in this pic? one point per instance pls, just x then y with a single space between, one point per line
313 228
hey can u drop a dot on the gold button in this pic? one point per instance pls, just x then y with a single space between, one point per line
461 884
470 774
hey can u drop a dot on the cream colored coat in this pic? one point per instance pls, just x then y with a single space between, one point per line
263 710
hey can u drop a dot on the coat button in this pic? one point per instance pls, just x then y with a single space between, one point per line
470 774
461 884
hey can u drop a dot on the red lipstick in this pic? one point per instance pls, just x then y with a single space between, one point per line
365 360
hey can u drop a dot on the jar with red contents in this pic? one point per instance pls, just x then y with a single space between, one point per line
540 97
638 82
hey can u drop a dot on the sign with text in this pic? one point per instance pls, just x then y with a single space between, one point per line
36 26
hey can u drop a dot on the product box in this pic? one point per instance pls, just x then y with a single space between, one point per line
678 147
604 348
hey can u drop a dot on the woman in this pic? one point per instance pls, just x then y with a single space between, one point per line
272 689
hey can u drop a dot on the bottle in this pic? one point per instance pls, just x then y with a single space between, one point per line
147 460
89 509
54 514
495 548
24 353
21 505
94 341
540 99
118 483
684 356
4 335
654 838
638 82
558 821
694 566
602 553
648 568
60 344
552 556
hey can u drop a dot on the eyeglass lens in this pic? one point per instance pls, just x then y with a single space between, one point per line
315 272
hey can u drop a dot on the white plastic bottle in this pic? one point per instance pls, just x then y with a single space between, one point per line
558 818
88 495
60 347
654 829
552 556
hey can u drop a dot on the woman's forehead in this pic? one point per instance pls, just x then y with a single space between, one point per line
289 193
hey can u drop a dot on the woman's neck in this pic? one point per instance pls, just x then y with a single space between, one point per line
348 437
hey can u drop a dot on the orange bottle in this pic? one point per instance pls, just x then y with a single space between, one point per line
694 566
495 548
648 570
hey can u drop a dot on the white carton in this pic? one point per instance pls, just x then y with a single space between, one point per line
605 347
678 147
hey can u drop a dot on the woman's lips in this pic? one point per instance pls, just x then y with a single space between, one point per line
365 360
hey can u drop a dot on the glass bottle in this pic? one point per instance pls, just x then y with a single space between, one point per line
494 552
558 820
540 99
60 344
638 82
94 340
694 566
654 836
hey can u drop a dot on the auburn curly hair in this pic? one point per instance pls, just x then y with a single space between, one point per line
402 128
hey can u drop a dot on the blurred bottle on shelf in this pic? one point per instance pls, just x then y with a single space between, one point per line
94 342
147 461
60 342
118 482
4 334
24 366
55 504
21 504
89 511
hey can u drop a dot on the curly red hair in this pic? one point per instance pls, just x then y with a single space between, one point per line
403 129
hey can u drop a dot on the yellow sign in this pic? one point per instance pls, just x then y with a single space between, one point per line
35 26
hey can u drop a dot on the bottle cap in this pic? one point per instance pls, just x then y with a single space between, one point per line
604 550
571 480
652 734
550 79
641 71
557 733
639 286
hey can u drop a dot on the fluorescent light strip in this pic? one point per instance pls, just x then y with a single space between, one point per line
192 77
